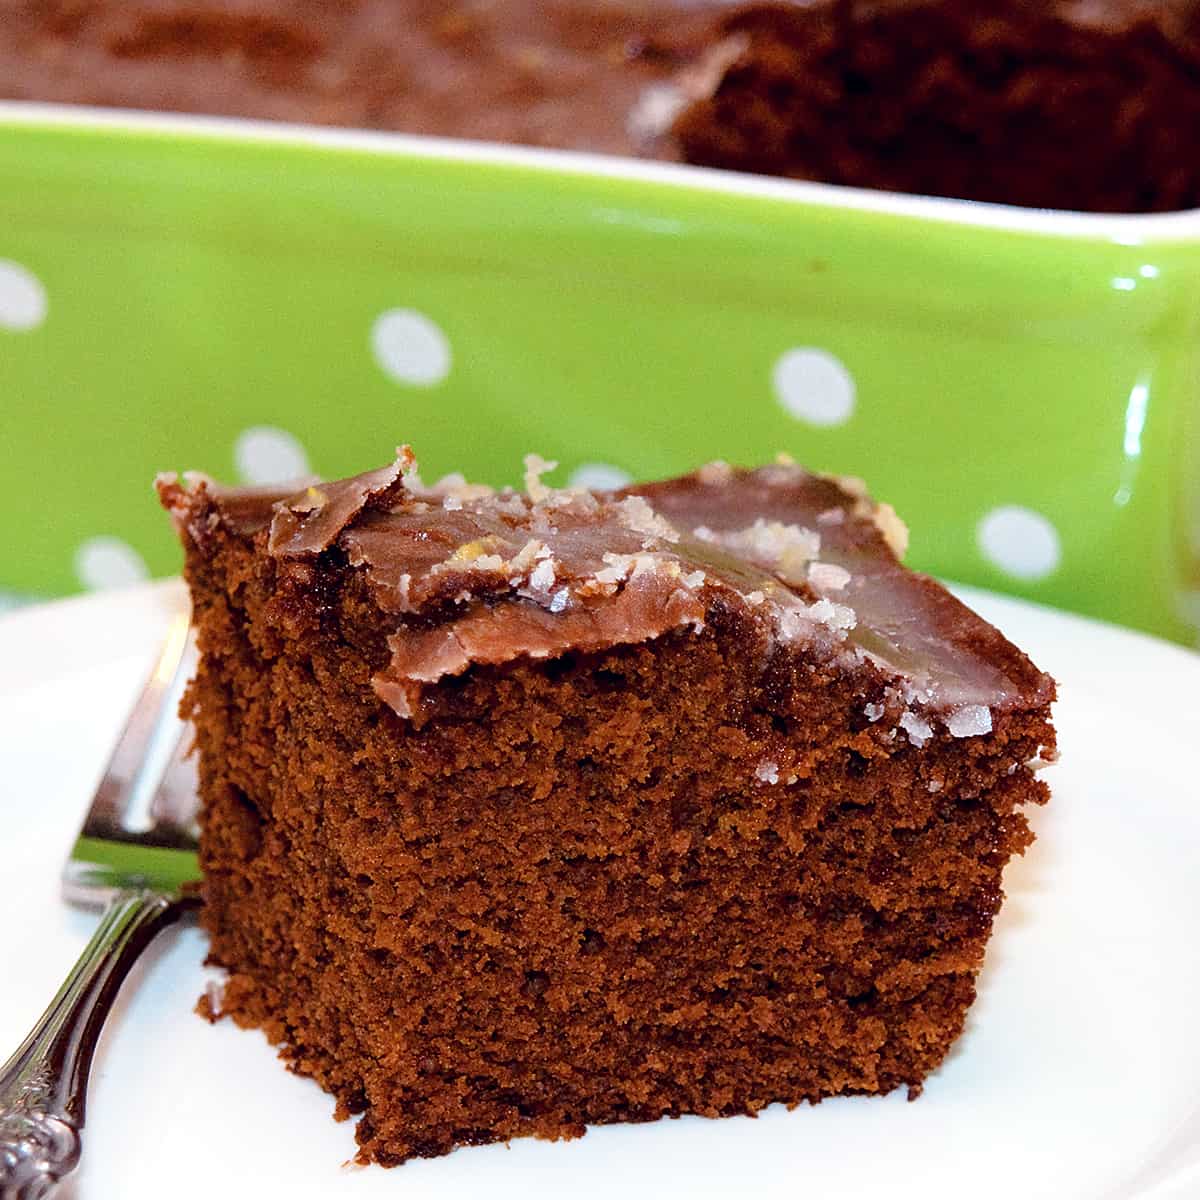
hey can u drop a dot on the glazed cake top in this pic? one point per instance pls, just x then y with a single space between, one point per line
475 576
564 73
600 75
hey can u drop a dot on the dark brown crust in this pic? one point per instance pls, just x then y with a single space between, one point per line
625 883
310 522
1077 104
423 562
908 617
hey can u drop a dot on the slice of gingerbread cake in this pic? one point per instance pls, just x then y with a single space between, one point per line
526 811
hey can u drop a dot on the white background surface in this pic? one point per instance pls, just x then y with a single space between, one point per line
1078 1076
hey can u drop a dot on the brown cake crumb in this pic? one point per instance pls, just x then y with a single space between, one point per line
551 809
1073 104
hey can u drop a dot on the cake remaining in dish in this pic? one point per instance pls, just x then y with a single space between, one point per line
1079 104
524 811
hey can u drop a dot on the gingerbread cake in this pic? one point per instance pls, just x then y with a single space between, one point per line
524 811
1076 104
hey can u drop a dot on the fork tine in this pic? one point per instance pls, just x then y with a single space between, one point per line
173 805
151 734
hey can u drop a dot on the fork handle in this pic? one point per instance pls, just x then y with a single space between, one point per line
43 1087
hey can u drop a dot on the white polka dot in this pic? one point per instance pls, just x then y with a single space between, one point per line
410 348
1021 542
22 297
265 454
814 386
108 562
599 477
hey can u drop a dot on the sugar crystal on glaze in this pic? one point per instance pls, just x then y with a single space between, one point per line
971 720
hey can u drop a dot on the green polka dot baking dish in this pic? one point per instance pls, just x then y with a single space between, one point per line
261 300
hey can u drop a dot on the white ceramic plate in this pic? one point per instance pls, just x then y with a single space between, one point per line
1078 1077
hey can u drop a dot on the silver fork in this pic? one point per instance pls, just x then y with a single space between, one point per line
133 858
